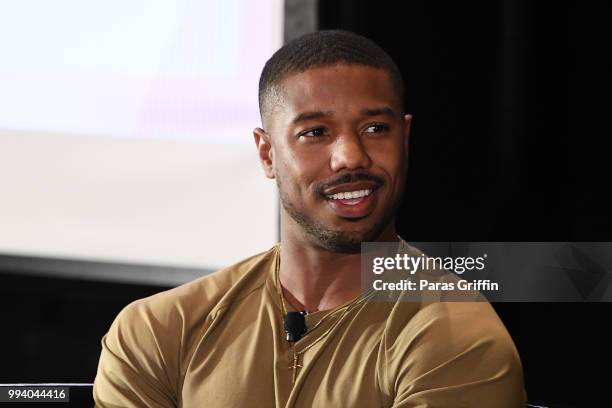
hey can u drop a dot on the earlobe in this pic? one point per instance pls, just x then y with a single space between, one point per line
264 149
407 124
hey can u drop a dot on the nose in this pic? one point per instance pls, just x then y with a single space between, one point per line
349 153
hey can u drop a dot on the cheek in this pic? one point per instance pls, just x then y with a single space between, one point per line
390 160
392 163
296 177
309 167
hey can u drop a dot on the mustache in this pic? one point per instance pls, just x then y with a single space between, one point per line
349 178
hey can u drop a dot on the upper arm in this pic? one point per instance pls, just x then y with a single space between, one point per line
138 363
456 354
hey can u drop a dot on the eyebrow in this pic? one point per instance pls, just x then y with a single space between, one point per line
304 116
384 111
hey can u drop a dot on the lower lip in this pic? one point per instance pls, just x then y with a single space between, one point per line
359 207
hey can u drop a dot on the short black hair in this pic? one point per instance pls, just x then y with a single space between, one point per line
323 48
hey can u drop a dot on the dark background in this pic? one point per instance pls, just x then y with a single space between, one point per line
507 145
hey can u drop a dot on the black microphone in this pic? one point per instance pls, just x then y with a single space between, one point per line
295 326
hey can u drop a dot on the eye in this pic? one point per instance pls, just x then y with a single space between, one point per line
316 132
377 128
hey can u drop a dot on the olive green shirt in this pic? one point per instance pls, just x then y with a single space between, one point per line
219 342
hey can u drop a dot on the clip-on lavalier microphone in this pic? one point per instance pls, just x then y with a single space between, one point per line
295 326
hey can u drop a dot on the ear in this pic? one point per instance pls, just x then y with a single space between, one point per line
264 148
406 131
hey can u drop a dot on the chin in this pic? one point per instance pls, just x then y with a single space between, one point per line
347 240
369 226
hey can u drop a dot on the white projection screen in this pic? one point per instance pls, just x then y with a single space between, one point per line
126 130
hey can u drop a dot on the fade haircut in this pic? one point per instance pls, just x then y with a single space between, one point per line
324 48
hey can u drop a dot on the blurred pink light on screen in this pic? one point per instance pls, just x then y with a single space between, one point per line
182 70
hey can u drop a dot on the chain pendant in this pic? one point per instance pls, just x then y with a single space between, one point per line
295 366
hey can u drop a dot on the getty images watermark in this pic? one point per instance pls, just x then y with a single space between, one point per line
412 264
493 271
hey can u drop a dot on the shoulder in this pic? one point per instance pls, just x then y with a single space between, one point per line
445 330
461 347
201 297
462 320
145 349
449 327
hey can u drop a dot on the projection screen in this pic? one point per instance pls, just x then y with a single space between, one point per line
126 130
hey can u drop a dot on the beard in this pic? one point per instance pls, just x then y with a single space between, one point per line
332 239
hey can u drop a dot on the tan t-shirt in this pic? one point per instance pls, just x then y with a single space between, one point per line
219 342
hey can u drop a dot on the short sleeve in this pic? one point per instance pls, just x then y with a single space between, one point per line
455 354
138 363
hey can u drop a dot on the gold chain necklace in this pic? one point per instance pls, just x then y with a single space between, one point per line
344 310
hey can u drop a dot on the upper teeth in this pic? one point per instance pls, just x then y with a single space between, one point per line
350 194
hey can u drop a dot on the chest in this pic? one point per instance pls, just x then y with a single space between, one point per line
245 361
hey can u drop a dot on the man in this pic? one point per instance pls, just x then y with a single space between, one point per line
335 139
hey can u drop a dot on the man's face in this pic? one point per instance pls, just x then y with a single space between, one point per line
337 146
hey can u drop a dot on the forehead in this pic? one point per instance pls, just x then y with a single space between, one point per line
343 88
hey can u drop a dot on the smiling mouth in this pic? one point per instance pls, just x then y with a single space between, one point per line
350 197
353 204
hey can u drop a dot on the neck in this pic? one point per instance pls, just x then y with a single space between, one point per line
314 278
